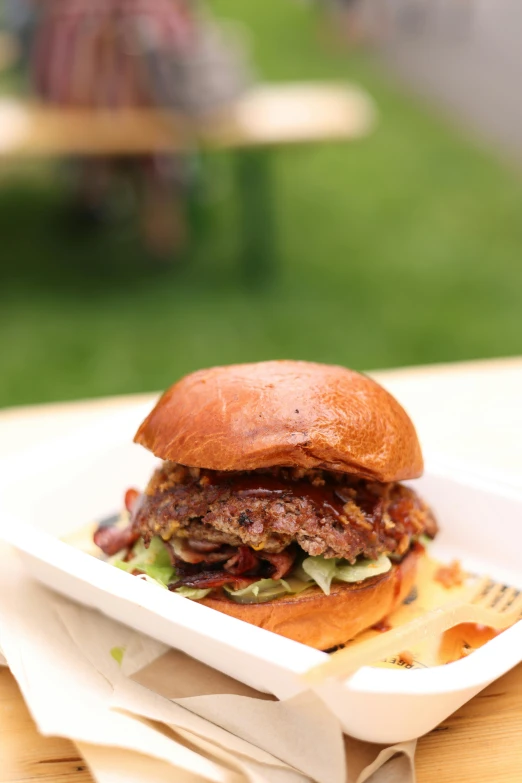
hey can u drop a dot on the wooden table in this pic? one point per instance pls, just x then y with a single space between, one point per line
266 118
482 741
268 115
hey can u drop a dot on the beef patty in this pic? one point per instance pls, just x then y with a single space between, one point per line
330 514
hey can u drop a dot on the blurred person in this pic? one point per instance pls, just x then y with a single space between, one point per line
115 54
360 22
346 18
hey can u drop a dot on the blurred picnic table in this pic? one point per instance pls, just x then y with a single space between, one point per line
265 118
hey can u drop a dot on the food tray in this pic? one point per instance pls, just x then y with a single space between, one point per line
65 483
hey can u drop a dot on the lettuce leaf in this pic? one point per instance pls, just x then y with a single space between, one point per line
321 570
266 590
192 592
363 569
154 561
324 570
117 653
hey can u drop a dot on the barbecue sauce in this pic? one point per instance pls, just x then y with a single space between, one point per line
382 627
327 498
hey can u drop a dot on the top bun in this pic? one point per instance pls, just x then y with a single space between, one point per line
284 413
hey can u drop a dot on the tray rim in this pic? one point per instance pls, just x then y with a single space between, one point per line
485 665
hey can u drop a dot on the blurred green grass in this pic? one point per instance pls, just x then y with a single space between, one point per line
399 249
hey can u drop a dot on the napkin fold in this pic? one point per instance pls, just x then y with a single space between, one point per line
65 694
299 733
141 713
115 765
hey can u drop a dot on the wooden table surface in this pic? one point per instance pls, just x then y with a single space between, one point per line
268 115
481 742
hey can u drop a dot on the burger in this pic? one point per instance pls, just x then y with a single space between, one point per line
278 499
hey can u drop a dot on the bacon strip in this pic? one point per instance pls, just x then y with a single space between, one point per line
131 497
239 560
212 579
112 540
244 560
281 561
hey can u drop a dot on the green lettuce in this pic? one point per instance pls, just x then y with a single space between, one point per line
117 653
193 592
266 590
154 562
324 570
156 567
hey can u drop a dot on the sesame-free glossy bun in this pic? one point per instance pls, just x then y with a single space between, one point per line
325 621
284 413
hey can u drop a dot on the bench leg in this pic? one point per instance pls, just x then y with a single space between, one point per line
255 187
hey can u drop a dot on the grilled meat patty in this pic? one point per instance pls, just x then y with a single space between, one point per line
330 514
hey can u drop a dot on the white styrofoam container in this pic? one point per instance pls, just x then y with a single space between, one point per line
63 484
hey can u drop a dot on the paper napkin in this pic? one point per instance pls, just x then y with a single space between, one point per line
139 711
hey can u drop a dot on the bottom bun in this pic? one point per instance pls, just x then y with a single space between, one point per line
325 621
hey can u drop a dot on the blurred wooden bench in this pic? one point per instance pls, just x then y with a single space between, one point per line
268 117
